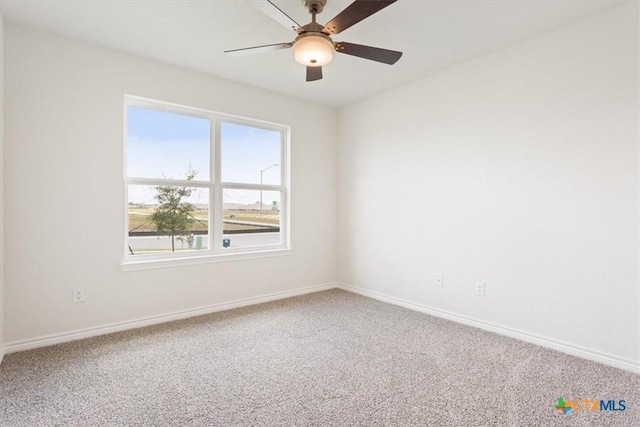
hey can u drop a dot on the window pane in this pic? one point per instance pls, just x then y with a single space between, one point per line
166 145
250 155
245 223
182 213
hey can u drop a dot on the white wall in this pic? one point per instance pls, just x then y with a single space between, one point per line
1 184
64 193
519 168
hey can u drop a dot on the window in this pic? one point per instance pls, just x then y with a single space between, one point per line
201 184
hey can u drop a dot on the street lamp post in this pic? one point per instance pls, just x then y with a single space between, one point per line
261 172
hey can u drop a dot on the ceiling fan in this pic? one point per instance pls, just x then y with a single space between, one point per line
313 47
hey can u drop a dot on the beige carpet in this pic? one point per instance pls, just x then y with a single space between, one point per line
325 359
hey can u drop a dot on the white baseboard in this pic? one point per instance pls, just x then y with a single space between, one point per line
44 341
47 340
606 359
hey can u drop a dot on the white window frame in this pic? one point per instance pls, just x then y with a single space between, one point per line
215 186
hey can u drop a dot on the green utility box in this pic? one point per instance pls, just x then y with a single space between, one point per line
226 243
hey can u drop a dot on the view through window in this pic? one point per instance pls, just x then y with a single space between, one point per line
202 183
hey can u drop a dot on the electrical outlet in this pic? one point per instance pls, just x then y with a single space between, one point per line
78 295
480 289
439 280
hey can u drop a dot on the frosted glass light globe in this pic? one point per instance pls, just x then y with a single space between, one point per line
313 51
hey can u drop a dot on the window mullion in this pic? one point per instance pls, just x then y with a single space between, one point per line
218 209
263 187
168 182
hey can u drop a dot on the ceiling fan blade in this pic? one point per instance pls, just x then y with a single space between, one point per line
275 13
368 52
314 73
258 49
354 13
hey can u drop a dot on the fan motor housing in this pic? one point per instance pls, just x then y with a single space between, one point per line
317 5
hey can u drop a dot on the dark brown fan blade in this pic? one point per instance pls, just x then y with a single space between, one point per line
314 73
367 52
354 13
275 13
258 49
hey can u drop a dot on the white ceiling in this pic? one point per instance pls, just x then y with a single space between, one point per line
433 35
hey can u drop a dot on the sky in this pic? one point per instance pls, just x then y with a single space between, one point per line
167 145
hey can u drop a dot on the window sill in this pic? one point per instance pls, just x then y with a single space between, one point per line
148 264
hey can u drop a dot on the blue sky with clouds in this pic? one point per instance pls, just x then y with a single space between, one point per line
166 145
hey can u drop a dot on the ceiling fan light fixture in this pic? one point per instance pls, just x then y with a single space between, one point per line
313 50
